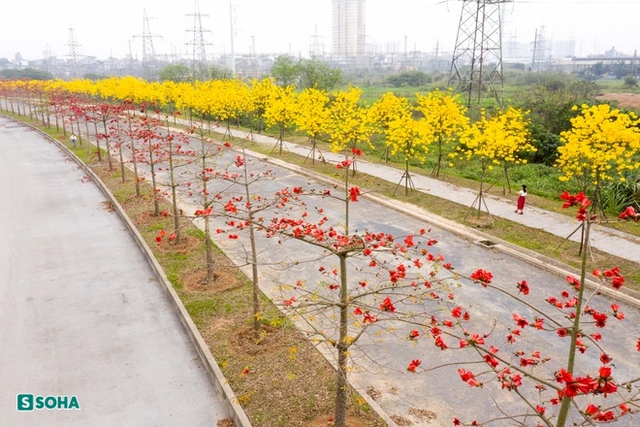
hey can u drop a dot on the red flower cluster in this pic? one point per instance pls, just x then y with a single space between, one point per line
387 305
413 365
469 378
203 212
523 287
482 276
604 384
354 192
579 200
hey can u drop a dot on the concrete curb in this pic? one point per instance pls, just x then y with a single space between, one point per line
215 374
629 296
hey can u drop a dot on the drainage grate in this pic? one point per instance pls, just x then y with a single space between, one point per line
487 243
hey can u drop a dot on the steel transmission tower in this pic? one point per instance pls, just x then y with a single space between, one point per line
316 49
197 42
74 52
539 50
149 63
476 68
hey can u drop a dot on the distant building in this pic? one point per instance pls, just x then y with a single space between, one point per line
348 28
564 48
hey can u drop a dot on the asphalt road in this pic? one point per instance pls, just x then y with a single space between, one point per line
80 312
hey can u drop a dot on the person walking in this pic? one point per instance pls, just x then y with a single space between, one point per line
73 139
521 199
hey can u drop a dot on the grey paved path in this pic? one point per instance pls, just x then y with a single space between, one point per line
605 239
80 312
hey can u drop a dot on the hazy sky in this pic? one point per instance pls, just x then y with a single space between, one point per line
103 28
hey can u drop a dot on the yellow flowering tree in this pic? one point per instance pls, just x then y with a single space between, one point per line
409 138
281 111
259 96
600 146
312 117
493 141
385 110
232 102
446 118
348 122
509 150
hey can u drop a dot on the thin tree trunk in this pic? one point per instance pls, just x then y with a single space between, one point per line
95 125
156 205
340 415
106 139
481 195
133 157
120 152
566 402
205 203
174 200
254 259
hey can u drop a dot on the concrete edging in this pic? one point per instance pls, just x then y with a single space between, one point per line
213 371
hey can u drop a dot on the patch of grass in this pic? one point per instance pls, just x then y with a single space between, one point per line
195 232
156 227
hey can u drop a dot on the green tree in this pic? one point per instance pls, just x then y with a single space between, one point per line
27 73
204 72
285 71
550 102
630 81
316 74
177 73
409 78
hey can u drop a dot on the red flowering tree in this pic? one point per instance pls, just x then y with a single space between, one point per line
179 155
367 284
205 155
582 389
132 133
245 210
152 152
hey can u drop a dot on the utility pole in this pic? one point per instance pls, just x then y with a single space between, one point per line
130 56
233 55
476 68
406 65
254 57
47 58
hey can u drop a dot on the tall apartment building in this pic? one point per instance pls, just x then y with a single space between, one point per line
348 28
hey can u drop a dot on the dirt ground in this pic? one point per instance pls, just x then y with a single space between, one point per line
624 100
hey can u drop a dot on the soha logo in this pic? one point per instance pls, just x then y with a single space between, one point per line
29 402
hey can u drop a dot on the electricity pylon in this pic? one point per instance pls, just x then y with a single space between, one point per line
476 68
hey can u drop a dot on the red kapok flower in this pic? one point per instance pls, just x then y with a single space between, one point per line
523 287
413 365
387 305
482 276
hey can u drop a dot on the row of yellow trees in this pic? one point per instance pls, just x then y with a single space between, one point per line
603 143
